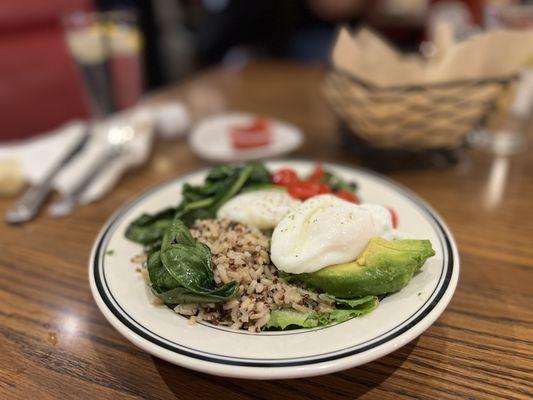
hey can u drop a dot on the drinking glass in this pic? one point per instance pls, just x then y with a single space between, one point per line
107 49
506 129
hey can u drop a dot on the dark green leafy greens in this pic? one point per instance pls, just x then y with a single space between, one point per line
148 229
335 182
180 272
263 186
199 202
221 184
179 268
345 309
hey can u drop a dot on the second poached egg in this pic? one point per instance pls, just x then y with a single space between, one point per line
326 230
262 209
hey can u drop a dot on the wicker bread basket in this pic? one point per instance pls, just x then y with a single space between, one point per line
416 118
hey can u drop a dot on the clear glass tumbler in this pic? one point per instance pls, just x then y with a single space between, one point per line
107 48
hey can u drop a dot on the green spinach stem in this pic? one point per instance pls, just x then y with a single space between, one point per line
237 185
199 204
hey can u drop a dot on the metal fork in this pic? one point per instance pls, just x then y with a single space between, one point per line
117 141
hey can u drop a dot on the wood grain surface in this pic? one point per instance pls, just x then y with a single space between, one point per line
55 344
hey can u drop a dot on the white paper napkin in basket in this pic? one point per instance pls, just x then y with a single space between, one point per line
489 55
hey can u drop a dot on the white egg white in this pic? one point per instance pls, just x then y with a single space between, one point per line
262 209
325 230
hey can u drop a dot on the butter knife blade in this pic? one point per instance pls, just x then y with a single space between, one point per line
29 204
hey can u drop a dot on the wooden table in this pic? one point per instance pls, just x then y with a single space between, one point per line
55 344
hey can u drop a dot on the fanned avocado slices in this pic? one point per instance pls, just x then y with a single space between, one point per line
384 266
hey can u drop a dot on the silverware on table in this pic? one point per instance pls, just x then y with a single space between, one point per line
117 141
29 204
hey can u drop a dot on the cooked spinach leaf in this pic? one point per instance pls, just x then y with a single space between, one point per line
263 186
160 280
183 295
199 202
181 270
186 260
259 174
148 229
336 183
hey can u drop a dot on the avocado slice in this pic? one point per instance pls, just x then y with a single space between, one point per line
384 266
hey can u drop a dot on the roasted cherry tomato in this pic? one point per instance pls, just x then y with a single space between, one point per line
318 173
304 189
323 188
344 194
394 217
285 177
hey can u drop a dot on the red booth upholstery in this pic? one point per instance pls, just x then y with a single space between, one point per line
40 87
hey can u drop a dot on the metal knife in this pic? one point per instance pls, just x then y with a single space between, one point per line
117 142
27 207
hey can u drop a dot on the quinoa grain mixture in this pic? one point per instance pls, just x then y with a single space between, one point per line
240 253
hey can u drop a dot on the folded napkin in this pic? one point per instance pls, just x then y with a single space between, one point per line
36 157
138 151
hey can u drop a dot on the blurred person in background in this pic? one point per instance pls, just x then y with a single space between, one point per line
183 35
300 30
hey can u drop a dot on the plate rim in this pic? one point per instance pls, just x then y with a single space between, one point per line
283 369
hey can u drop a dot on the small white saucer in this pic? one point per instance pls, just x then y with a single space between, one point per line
210 139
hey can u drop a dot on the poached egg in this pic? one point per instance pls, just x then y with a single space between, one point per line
262 209
326 230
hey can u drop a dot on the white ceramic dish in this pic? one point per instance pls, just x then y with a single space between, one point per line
210 138
124 299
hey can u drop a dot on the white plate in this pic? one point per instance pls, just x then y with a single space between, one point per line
123 297
210 138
